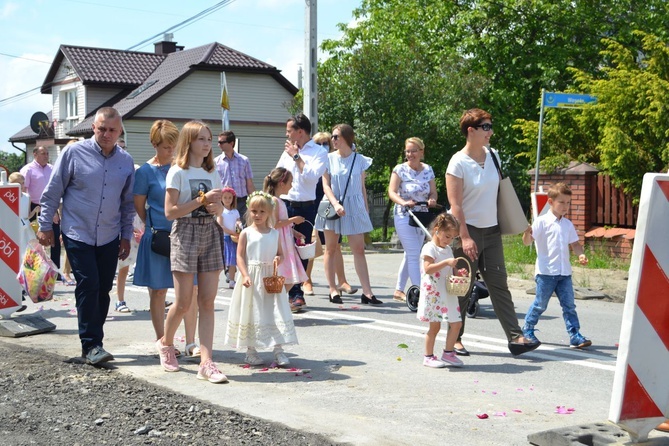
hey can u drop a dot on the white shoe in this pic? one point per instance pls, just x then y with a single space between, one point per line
281 358
253 359
231 284
432 361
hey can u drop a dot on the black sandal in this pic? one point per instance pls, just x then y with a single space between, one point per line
336 299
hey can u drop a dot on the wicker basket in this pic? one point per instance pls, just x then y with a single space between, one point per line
274 284
459 285
234 238
307 252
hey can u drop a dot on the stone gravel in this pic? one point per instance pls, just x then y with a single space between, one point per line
46 399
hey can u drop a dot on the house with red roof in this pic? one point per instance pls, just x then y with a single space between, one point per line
171 83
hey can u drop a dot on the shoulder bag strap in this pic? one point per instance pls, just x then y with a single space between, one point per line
349 177
494 160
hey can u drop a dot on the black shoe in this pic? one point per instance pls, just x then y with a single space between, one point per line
336 299
21 308
98 355
370 300
518 348
461 351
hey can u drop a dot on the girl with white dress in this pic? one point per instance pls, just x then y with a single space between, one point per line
258 319
435 304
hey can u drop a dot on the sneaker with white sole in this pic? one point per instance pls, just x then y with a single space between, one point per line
281 358
168 356
253 359
579 341
449 358
432 361
210 372
231 284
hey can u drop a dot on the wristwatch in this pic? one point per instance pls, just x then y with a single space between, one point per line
296 156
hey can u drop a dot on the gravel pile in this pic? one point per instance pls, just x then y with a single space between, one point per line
45 400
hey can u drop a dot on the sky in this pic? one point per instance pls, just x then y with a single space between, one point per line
32 30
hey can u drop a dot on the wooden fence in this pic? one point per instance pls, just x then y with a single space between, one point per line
610 206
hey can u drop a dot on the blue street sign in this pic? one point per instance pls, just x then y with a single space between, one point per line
567 100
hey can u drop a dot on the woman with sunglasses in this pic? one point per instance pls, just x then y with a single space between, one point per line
411 182
346 167
472 182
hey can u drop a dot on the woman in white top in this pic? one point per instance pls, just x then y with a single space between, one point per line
472 182
411 182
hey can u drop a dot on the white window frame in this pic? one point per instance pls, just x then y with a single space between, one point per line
71 105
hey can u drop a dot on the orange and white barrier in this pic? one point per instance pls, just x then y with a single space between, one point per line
10 237
640 396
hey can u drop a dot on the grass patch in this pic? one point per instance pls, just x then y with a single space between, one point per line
377 234
516 254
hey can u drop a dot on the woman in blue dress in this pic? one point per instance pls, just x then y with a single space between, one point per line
154 270
353 214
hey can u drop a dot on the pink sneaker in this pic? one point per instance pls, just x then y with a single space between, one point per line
449 358
210 372
168 357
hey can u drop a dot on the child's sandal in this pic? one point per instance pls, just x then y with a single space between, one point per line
192 350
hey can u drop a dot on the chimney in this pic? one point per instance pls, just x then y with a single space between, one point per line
167 46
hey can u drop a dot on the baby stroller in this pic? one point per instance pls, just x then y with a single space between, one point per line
479 291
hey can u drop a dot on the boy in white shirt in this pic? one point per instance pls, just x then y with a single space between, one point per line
553 233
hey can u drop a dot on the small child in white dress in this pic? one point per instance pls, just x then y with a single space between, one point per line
435 305
258 319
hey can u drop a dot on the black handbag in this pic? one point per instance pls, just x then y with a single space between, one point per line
160 240
327 209
424 214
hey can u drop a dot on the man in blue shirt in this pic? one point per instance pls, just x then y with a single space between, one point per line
94 178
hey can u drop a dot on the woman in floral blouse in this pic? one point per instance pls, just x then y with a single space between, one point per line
411 182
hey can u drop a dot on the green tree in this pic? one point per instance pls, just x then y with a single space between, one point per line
626 133
12 161
498 53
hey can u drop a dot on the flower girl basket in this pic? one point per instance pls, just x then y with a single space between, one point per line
459 285
274 283
308 251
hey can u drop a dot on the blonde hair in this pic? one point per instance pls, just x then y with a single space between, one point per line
16 177
188 134
416 141
263 202
163 130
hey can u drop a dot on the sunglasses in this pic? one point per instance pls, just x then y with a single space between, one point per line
486 127
223 142
335 137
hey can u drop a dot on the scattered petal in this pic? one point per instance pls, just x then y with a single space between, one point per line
482 416
264 369
274 365
519 389
293 369
482 391
562 410
517 410
245 366
64 305
500 414
494 392
40 308
355 307
476 381
73 311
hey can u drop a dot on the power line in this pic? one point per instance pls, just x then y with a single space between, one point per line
24 58
200 15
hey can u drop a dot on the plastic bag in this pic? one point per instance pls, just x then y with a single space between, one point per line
38 273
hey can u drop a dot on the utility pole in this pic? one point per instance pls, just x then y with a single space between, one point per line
310 91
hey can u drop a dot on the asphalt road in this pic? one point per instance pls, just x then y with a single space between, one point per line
360 377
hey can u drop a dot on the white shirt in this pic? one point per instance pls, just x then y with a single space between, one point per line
479 192
230 217
315 159
552 238
189 182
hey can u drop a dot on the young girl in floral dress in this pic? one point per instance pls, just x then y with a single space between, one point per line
435 304
277 183
258 319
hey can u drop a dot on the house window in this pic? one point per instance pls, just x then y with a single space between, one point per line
70 99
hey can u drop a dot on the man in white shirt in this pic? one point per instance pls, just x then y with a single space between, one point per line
307 161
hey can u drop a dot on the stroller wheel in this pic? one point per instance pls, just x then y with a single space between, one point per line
473 309
412 297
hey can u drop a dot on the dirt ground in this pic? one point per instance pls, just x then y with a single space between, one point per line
45 400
